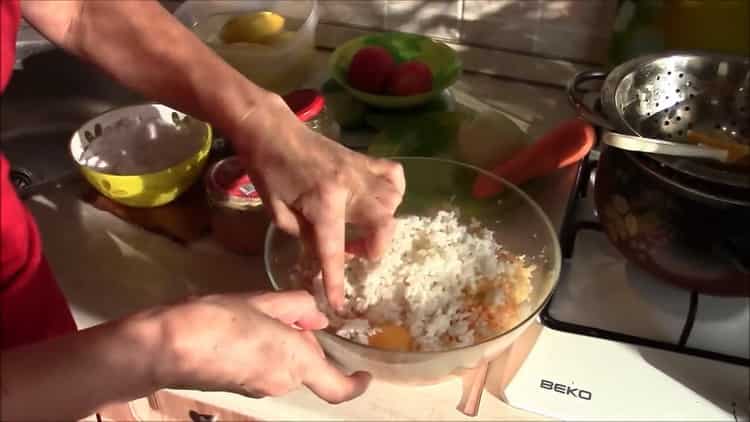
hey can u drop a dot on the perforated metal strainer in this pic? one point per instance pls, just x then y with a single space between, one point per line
665 96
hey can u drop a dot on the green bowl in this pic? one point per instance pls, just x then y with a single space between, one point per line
439 57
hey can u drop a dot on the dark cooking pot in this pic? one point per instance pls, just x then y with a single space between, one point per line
686 221
689 243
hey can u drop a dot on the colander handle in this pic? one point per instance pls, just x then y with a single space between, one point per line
576 94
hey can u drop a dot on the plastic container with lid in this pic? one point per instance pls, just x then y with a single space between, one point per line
279 66
310 106
238 218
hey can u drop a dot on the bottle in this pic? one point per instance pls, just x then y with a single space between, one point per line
636 30
652 26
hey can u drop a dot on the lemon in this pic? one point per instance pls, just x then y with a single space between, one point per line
253 27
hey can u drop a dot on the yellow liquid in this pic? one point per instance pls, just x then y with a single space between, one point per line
717 25
391 337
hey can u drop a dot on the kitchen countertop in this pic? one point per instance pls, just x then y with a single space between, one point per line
108 268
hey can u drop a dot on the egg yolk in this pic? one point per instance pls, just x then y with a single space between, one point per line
391 337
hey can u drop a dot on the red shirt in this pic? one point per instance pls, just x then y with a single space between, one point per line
32 307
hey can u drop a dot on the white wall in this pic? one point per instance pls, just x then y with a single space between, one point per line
576 30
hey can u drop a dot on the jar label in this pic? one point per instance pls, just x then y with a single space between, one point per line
243 188
230 180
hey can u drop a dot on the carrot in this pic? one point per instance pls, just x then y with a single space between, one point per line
565 145
736 150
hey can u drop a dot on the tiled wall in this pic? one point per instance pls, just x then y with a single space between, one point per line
497 37
576 30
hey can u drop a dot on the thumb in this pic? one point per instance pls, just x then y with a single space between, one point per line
294 307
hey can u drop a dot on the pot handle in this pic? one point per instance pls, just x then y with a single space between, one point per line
658 146
575 96
732 250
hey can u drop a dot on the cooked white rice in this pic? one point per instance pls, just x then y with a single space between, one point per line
428 282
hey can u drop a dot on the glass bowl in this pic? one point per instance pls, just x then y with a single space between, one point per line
279 66
518 224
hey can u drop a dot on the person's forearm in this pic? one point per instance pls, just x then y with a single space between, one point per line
69 377
148 50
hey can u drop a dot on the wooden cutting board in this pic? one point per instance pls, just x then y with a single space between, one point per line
184 220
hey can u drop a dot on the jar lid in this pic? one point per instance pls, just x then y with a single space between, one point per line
228 184
305 103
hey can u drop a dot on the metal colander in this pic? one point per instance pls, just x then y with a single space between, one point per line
664 96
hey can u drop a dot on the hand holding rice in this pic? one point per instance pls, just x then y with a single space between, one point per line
442 284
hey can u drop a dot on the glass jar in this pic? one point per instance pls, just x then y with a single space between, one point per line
238 218
310 107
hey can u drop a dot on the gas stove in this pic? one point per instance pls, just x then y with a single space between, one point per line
619 343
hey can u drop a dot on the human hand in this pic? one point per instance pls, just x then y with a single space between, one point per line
313 186
254 345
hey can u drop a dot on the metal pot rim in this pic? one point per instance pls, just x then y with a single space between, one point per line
691 168
720 200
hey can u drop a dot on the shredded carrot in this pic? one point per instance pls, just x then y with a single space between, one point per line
735 150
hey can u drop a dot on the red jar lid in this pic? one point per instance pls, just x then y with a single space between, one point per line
228 184
305 103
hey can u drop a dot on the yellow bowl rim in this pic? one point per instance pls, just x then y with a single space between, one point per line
205 146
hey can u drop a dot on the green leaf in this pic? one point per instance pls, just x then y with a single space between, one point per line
347 110
402 46
426 135
384 146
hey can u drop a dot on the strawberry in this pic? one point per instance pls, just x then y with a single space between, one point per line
370 69
410 78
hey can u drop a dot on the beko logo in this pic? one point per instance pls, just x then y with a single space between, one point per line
565 389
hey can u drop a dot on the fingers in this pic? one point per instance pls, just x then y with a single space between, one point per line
320 216
313 321
325 213
374 212
380 238
329 240
393 172
305 364
331 385
284 218
374 216
376 241
295 307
